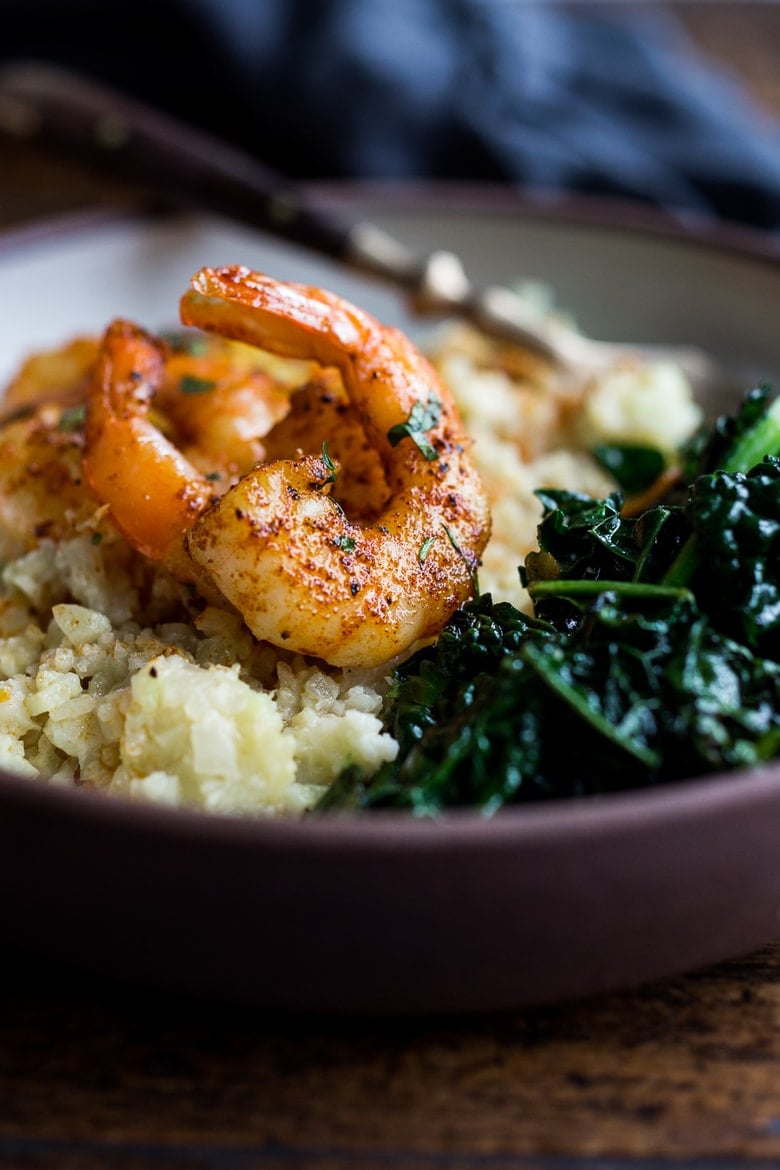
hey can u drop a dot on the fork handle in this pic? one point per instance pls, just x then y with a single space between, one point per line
124 137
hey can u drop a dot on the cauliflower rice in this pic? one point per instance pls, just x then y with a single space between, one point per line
110 677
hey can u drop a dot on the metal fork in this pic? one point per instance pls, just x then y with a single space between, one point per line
126 138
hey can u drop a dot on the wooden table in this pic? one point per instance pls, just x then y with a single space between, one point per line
94 1074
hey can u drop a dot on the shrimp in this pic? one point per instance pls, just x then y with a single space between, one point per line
156 487
320 412
219 409
42 489
281 550
154 493
59 375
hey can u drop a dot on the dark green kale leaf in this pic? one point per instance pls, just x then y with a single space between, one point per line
634 468
736 522
444 701
653 654
581 537
736 442
632 698
587 540
473 643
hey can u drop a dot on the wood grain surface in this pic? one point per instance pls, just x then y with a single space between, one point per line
684 1073
94 1074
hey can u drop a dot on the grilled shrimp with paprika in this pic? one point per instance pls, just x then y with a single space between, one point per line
303 574
154 493
42 491
166 433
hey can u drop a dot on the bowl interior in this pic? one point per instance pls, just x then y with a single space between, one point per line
590 893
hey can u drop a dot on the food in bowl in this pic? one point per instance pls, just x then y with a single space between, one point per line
226 565
653 655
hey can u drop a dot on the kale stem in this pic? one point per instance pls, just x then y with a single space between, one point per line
683 566
761 440
577 701
637 589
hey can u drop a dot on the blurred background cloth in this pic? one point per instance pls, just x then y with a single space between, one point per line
608 99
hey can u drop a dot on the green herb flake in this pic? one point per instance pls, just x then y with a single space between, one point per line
214 476
330 466
345 543
423 417
189 384
72 419
97 537
470 564
194 344
425 548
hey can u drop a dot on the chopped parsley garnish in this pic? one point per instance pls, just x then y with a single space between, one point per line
214 476
330 466
72 419
97 538
423 417
345 543
194 344
189 384
470 565
425 548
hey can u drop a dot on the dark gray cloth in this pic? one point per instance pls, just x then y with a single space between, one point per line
608 99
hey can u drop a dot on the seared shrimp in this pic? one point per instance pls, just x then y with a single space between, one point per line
154 493
42 490
59 375
321 413
156 487
301 573
219 409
